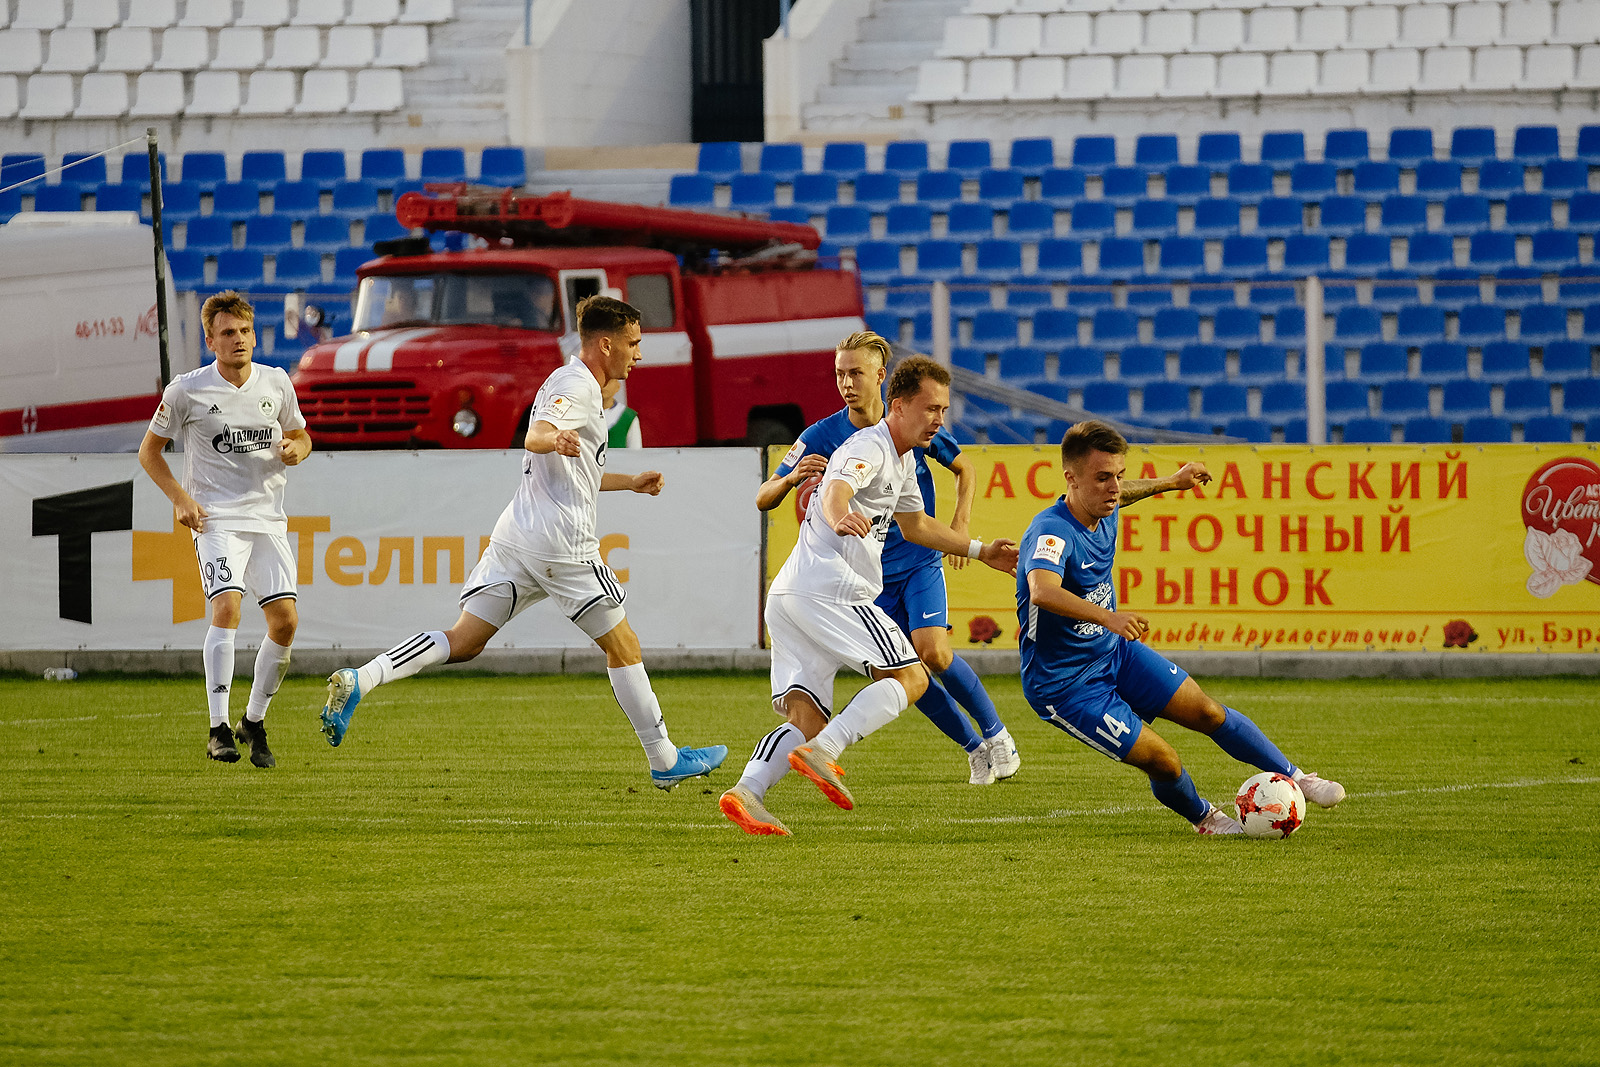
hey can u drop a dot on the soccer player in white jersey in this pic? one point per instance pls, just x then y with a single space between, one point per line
241 428
545 546
821 612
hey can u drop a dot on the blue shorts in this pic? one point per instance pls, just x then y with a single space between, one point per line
916 598
1107 706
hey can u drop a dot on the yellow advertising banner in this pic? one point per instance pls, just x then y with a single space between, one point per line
1333 548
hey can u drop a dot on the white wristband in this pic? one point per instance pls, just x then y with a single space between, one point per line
974 548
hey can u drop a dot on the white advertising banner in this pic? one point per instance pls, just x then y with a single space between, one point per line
91 557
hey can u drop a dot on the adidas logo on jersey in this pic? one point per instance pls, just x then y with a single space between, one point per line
214 410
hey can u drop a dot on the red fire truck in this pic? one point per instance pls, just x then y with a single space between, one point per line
449 348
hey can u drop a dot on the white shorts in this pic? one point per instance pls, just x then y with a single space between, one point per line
812 639
506 582
245 561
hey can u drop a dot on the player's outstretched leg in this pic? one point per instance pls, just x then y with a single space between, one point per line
630 683
745 803
874 707
963 683
1237 735
347 686
1171 784
941 710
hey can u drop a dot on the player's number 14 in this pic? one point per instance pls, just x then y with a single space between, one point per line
1117 728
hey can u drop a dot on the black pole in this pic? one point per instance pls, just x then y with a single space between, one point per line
161 255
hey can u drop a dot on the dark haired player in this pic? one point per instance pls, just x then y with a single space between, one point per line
1084 668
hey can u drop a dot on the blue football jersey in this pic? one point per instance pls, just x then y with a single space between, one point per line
1056 649
900 555
821 438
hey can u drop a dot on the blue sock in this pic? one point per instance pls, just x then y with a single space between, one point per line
962 682
1181 797
943 713
1244 741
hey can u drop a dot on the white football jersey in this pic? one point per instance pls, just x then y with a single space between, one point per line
849 570
230 443
553 514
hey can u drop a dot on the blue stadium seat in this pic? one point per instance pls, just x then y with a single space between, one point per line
1443 359
117 197
1032 155
187 269
267 234
134 170
1526 398
1283 399
1464 398
327 169
1165 401
999 259
180 201
1355 326
1528 212
1218 150
1533 145
1455 287
383 226
1236 325
205 169
1260 364
1409 146
816 192
997 184
498 165
1055 327
1363 430
936 188
691 190
1543 323
939 260
1060 258
1394 289
57 198
1280 216
1403 399
1201 364
209 234
1216 218
1472 145
355 199
1564 177
1115 327
1503 360
1425 430
971 358
1343 216
718 159
1056 390
1289 325
1466 213
1376 180
1555 250
299 200
1019 429
1141 364
1094 154
1280 149
1191 425
844 159
1121 258
1428 252
1486 429
883 323
1589 146
1030 219
1080 366
1021 366
1518 285
968 221
1500 177
1181 258
1062 186
966 158
1176 326
1093 218
1548 429
1566 359
1255 431
1382 362
909 223
782 160
748 192
1403 216
1249 182
1244 256
877 261
1438 178
1155 151
1478 324
1210 291
1345 147
297 268
1221 401
1419 324
239 269
1591 322
994 330
327 233
268 167
1123 186
383 166
1107 399
1313 181
345 262
83 169
1490 250
1187 184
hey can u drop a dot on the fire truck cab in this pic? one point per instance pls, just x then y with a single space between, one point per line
450 348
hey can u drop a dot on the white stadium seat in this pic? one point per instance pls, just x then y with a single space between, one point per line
988 7
1141 76
1528 22
1377 26
213 14
1067 34
40 14
160 93
270 92
216 92
428 11
1588 74
102 96
965 35
940 79
240 48
183 49
1395 70
990 79
1549 67
377 92
1344 71
129 49
1323 27
1219 31
159 14
1018 35
1477 23
373 12
9 95
295 47
1445 69
21 51
402 46
1578 21
1041 77
1241 74
1292 73
1191 75
71 51
264 13
1116 32
1090 77
325 92
350 47
318 13
95 15
1424 25
49 97
1271 29
1168 31
1496 68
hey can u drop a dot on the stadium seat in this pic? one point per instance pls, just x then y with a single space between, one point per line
327 233
1478 324
205 169
966 221
691 190
1141 364
967 158
872 189
1122 186
57 198
815 192
1383 362
1202 364
844 160
877 261
1548 429
1155 151
1357 326
1441 360
346 261
1345 399
1254 431
1249 182
1114 327
1054 328
1165 401
1279 216
1347 147
1018 429
1486 429
1376 180
1554 250
939 260
1438 178
905 158
1261 364
382 226
751 192
1284 399
1289 325
1094 154
1244 256
1409 146
1021 366
1343 216
443 165
110 196
999 260
1216 217
1236 325
1466 213
782 160
354 199
718 159
1221 401
1363 430
1032 155
1187 184
1093 219
1566 359
1280 149
1534 145
1313 180
1177 326
1060 259
1564 177
1525 398
1403 216
1121 258
1464 398
180 201
1419 324
268 234
1403 399
1181 258
299 200
909 223
1472 145
239 269
19 168
1424 429
1581 397
187 269
1031 219
1061 186
1542 323
1503 360
325 168
1500 177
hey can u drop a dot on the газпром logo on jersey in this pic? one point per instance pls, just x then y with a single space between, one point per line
242 440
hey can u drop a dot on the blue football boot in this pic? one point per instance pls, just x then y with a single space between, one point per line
344 693
692 763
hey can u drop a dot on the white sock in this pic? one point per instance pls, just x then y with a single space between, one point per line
632 688
879 704
770 761
404 660
272 663
217 655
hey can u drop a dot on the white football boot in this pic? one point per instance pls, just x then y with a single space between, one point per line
1217 821
1320 791
982 770
1003 755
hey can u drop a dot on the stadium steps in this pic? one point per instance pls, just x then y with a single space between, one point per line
643 185
462 89
879 71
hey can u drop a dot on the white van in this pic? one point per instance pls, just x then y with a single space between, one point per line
80 364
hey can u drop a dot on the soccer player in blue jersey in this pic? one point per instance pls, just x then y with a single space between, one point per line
913 576
1084 668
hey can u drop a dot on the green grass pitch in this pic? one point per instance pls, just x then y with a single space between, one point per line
482 874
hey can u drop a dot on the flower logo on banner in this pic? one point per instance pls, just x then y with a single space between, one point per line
1561 509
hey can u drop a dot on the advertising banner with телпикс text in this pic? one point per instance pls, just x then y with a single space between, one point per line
1330 548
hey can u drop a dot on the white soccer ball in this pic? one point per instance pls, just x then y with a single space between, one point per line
1270 805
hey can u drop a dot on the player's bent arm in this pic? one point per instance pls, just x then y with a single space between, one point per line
966 489
188 511
298 444
1187 477
776 488
543 438
649 482
923 529
1045 591
836 495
